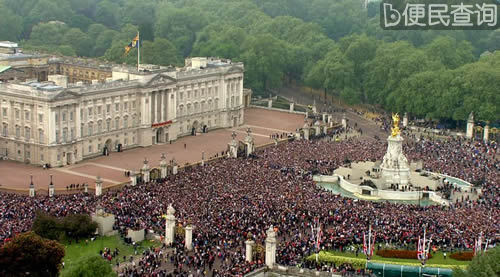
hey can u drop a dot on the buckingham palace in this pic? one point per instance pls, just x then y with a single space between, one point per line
59 123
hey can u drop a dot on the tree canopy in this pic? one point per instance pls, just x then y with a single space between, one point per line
32 254
337 46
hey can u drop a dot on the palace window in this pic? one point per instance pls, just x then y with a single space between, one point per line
4 112
65 134
108 125
64 116
40 118
117 123
26 115
57 135
40 135
91 127
17 114
5 130
27 133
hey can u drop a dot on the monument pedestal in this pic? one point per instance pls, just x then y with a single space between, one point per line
395 168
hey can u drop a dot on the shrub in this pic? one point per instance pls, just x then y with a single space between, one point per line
72 226
399 254
463 256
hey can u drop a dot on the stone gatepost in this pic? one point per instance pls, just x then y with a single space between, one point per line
233 147
249 250
52 190
486 134
175 167
324 118
405 120
163 166
32 187
292 107
270 247
170 225
98 186
270 103
306 133
470 126
86 188
249 141
330 120
133 178
314 109
189 238
325 129
145 170
344 121
202 158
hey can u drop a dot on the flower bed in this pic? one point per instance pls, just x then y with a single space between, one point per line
462 256
399 254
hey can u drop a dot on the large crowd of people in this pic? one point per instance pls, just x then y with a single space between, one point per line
231 200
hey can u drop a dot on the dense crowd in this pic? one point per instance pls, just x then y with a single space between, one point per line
231 200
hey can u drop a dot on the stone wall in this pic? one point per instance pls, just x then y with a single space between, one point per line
104 223
136 236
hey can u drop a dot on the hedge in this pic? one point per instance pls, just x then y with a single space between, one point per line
399 254
462 256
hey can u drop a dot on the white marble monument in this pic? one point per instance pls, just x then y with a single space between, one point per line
395 167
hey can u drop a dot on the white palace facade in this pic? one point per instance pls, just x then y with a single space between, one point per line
59 123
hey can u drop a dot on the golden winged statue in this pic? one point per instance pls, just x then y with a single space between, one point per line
395 125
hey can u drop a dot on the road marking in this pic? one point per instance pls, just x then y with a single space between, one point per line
108 166
85 175
269 129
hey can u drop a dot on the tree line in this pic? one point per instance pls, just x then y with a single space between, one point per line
337 46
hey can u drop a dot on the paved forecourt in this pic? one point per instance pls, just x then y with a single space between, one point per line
263 123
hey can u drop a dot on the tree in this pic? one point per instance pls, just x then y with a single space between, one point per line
265 58
48 33
90 266
449 52
160 52
79 226
32 254
47 226
79 41
11 25
482 265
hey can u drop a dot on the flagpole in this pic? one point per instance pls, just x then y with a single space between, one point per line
138 50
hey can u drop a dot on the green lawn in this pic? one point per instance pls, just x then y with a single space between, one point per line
75 251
